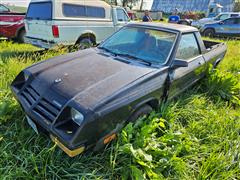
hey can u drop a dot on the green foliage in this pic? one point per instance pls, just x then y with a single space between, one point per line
194 137
18 9
222 85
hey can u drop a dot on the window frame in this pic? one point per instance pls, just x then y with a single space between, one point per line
172 51
199 47
43 2
4 7
85 6
124 13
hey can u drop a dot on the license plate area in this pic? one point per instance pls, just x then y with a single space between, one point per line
32 124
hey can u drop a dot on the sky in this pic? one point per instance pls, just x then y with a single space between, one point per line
25 3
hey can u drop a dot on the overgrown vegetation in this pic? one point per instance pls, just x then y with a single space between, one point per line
196 136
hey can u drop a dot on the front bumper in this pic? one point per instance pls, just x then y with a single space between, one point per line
70 153
40 42
44 114
197 24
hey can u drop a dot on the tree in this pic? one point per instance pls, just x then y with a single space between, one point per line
141 5
236 6
113 2
125 3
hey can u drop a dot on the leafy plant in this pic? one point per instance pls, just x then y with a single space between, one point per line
194 137
222 85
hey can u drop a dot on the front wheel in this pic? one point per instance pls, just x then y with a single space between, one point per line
144 110
209 32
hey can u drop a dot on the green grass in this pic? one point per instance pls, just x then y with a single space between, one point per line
196 136
18 9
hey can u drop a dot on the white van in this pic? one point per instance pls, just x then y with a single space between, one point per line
67 22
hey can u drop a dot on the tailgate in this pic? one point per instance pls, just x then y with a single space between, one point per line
38 20
39 29
215 52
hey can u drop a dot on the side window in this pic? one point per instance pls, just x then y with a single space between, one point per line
224 16
121 15
97 12
3 9
188 47
71 10
235 15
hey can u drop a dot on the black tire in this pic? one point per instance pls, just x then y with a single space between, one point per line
143 110
21 36
209 33
85 43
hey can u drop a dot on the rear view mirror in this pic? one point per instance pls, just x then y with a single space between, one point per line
179 63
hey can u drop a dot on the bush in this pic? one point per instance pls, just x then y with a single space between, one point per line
222 85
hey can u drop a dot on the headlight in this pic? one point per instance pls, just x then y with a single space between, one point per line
77 117
26 76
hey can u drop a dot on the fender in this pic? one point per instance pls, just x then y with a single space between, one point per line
85 33
19 29
152 101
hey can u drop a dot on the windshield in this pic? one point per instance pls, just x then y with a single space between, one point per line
40 11
152 46
3 8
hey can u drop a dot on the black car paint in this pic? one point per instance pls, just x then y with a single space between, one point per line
110 102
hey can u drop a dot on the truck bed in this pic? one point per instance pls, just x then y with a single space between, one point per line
212 44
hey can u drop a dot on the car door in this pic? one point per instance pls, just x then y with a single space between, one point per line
237 26
228 27
183 77
121 18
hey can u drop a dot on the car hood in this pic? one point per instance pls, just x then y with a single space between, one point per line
87 76
205 20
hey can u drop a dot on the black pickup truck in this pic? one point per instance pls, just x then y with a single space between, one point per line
83 99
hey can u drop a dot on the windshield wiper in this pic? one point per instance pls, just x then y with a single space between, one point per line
107 50
134 58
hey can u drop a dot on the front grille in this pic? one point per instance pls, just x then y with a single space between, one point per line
40 106
30 95
47 110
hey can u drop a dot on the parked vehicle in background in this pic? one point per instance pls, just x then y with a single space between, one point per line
177 20
83 99
222 16
227 27
68 22
11 24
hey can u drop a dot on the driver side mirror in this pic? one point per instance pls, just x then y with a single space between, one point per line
179 63
221 23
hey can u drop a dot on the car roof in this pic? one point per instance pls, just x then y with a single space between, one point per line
166 26
97 3
229 13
